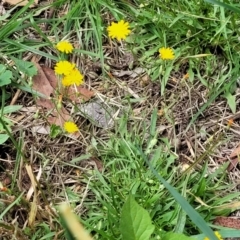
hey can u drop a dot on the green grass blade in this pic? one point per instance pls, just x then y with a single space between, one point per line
222 4
153 123
31 49
10 206
193 215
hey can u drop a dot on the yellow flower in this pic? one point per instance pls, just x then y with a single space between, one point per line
166 53
74 77
217 234
64 46
64 67
119 30
70 127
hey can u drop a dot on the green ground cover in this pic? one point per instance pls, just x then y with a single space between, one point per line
161 169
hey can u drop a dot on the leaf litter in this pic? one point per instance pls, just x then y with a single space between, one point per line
180 113
99 113
46 82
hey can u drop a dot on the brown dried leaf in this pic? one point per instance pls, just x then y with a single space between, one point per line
235 152
20 2
234 158
82 94
50 74
41 83
59 117
232 164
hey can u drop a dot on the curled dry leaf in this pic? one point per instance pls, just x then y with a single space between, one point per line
99 113
20 2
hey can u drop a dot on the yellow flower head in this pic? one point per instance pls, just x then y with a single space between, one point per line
217 234
65 47
119 30
74 77
166 53
70 127
64 67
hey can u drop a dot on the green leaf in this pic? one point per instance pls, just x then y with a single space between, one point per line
231 100
135 222
165 78
154 117
176 236
191 212
27 68
11 109
227 6
55 131
5 76
201 188
3 138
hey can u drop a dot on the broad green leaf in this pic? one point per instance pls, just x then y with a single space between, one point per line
176 236
27 68
11 109
135 222
5 76
3 138
231 100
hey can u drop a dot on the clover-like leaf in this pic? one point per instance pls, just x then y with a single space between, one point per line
26 67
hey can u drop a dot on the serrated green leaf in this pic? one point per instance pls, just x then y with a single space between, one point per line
135 221
27 68
3 138
176 236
